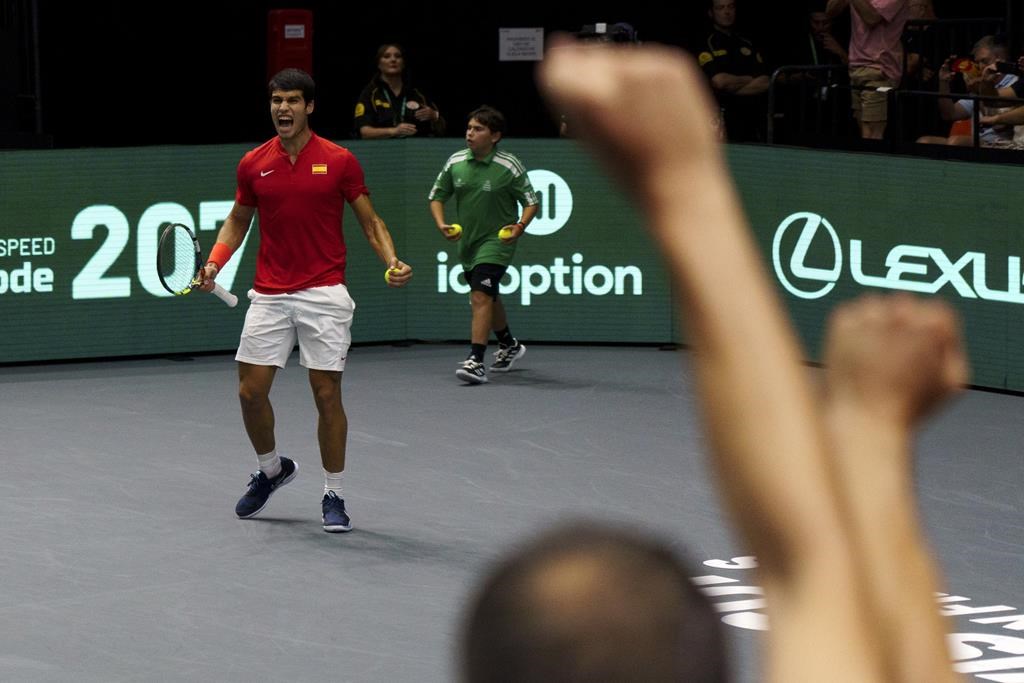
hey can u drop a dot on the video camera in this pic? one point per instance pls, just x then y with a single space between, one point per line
608 33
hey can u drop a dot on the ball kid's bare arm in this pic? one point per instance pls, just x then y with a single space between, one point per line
437 213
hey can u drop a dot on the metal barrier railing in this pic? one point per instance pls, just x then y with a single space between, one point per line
934 39
943 37
895 97
806 85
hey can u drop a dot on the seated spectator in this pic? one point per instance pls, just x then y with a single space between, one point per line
1010 117
986 53
804 101
390 106
822 48
989 88
820 492
1013 116
737 73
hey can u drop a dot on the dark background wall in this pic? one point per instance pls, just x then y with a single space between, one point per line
188 72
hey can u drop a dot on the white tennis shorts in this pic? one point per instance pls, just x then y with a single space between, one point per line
320 319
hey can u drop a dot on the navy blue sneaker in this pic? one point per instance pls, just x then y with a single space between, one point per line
261 488
335 517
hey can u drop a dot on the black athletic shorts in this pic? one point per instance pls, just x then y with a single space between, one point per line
484 277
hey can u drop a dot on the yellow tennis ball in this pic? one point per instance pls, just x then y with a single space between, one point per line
387 274
505 233
455 230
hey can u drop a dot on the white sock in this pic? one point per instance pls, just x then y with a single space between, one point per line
333 482
270 463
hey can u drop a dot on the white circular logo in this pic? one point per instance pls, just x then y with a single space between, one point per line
797 268
555 202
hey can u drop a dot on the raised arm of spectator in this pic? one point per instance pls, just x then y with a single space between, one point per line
949 110
867 12
889 362
767 436
835 7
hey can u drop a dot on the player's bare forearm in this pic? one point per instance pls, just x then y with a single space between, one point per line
236 225
231 234
379 237
374 228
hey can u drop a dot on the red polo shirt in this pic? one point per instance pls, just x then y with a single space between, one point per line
300 209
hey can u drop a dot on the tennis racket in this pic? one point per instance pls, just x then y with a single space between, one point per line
179 263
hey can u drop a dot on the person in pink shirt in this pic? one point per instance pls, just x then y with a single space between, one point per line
876 57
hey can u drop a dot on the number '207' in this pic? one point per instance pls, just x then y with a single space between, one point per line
93 282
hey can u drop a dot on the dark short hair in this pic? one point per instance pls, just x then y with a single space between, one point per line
293 79
589 602
490 117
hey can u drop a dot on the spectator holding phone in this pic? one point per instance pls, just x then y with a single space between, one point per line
1013 116
987 53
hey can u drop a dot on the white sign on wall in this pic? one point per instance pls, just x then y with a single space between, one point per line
520 44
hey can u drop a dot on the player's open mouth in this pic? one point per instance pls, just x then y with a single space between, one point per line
284 123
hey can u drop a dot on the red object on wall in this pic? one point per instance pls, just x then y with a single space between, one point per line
289 40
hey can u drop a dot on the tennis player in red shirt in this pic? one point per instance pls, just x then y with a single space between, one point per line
299 183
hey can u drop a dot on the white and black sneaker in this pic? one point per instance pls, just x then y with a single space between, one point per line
505 356
472 372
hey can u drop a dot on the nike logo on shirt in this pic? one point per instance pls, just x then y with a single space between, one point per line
263 174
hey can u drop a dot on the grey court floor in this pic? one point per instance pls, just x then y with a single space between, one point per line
123 561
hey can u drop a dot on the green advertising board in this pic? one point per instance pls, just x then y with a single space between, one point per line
78 234
78 231
833 226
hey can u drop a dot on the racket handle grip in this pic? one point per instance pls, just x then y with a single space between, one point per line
225 296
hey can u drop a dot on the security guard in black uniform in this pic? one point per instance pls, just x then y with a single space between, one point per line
737 73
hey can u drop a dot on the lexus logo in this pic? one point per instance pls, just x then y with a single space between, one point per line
794 274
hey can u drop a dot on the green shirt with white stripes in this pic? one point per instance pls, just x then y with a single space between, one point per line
487 195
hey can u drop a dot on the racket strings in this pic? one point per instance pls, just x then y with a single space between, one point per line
176 260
